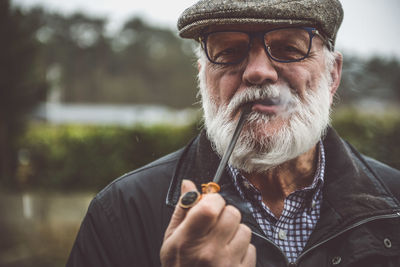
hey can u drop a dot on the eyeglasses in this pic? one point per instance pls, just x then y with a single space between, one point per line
281 44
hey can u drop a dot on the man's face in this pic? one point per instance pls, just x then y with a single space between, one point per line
291 103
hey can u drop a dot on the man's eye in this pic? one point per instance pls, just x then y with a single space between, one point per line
287 52
227 52
230 54
291 49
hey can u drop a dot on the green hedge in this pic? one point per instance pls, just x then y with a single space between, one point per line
374 134
89 157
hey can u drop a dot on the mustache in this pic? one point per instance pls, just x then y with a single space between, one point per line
267 95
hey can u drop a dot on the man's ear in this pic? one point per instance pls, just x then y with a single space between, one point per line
336 75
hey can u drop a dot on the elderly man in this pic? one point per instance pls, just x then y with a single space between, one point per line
293 193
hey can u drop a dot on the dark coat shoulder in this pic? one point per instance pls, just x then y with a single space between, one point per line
127 218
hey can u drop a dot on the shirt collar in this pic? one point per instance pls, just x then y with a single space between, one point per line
243 185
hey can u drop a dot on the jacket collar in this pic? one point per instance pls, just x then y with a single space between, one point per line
352 187
351 192
199 163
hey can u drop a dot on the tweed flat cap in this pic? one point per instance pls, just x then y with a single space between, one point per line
326 15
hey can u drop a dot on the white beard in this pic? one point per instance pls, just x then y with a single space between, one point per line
304 123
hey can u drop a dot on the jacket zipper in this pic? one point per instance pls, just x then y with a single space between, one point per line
387 216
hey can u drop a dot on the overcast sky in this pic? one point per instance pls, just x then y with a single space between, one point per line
369 26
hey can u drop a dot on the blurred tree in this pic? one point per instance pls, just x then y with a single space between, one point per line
77 48
385 84
160 69
140 64
85 53
375 78
22 83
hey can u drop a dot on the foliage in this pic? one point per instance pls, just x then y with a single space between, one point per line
88 157
376 135
138 64
22 85
372 78
83 157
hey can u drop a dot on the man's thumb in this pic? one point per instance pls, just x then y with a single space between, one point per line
179 213
187 186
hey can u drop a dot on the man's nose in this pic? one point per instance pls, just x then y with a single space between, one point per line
259 68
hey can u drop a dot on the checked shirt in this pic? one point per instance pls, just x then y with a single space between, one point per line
299 216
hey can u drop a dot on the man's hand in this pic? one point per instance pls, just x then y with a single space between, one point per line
208 234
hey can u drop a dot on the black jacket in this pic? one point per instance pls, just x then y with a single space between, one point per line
359 223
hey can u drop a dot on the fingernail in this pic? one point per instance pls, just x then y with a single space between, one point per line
185 185
184 181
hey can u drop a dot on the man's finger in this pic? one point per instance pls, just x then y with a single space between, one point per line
179 212
241 241
227 224
203 216
250 259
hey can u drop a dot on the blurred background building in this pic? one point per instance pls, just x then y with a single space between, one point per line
90 90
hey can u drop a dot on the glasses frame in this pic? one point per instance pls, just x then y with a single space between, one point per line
310 30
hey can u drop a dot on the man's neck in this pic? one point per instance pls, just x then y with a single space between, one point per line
277 183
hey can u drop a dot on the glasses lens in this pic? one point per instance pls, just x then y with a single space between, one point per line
227 47
288 44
